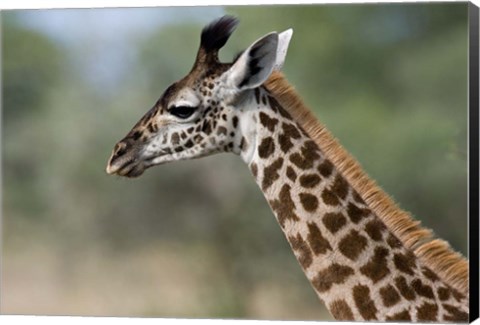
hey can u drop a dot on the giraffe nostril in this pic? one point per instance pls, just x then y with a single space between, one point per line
120 149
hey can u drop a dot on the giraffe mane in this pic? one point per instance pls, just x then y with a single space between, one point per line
435 254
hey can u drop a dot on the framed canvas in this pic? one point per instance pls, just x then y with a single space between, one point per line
198 238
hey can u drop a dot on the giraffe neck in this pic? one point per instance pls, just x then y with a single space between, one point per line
358 268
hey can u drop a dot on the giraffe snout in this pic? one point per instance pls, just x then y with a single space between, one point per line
124 160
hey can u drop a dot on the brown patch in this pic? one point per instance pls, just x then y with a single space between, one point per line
285 143
355 213
334 221
310 150
270 173
268 122
278 108
304 253
457 295
284 206
291 174
309 202
266 148
300 162
422 289
455 314
352 244
377 268
325 168
221 130
175 138
289 131
429 274
340 187
309 180
330 198
334 274
427 312
393 241
254 169
189 144
405 262
405 290
389 295
340 310
401 316
207 127
317 242
235 121
357 197
374 229
443 293
364 303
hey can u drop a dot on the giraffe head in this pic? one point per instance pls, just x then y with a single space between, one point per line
202 113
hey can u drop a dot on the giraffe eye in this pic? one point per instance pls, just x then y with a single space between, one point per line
182 111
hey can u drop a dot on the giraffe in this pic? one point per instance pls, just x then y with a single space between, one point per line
366 259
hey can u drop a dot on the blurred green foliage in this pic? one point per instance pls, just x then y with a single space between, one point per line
390 81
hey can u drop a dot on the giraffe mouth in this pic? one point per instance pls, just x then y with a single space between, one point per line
128 168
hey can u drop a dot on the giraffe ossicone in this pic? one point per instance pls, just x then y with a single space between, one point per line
365 258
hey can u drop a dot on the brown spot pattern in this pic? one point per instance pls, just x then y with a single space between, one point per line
393 241
266 148
270 173
455 314
427 312
340 310
374 229
175 138
289 132
317 242
309 180
334 274
284 206
340 187
352 245
364 303
429 274
309 202
403 315
325 168
304 253
300 161
443 293
291 174
405 262
422 289
330 198
334 221
268 122
389 295
355 213
404 289
376 269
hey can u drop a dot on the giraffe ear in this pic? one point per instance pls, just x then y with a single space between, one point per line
283 42
255 64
